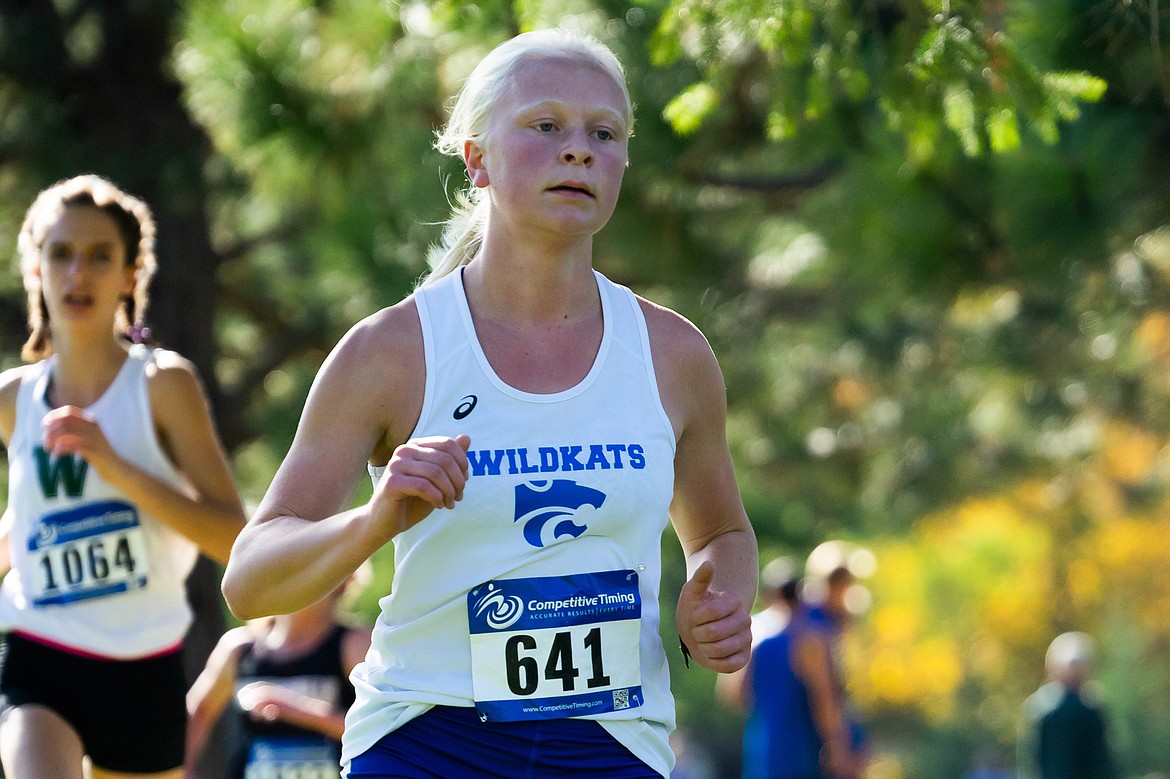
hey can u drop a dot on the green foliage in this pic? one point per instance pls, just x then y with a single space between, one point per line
687 111
818 62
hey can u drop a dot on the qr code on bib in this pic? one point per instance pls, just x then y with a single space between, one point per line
621 699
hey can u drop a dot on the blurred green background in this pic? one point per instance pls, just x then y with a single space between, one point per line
929 242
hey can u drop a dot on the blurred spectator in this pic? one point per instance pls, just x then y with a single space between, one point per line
1064 730
282 687
799 721
779 584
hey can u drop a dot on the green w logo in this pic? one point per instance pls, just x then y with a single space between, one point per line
68 471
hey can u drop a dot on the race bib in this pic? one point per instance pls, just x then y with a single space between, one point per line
91 551
556 646
291 757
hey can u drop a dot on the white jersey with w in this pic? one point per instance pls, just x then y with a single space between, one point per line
90 572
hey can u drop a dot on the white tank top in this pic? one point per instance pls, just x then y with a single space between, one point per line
537 595
90 572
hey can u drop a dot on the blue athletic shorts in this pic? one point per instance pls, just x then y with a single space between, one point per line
131 715
449 742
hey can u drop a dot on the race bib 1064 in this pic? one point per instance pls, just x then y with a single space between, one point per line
90 551
556 646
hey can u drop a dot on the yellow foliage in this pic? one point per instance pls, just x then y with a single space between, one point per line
978 569
1132 556
925 675
987 659
1153 335
1013 613
939 668
1009 605
1129 547
900 571
1129 454
1099 496
980 588
895 624
967 529
892 677
1155 616
1084 582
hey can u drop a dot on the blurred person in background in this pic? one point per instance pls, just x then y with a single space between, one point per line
800 724
117 481
283 685
779 596
1064 726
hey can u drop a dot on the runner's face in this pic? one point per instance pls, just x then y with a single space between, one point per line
83 268
555 149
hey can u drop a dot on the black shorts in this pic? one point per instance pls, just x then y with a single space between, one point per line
131 715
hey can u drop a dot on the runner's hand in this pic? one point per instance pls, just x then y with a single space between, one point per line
715 626
423 474
71 430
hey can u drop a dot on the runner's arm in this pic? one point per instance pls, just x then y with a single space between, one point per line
206 507
9 388
302 542
707 512
812 662
212 691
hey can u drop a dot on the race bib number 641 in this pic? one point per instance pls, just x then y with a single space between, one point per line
555 646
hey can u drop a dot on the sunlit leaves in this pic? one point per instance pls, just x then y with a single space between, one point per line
955 65
959 112
687 111
284 88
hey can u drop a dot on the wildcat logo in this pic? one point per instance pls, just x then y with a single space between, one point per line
548 509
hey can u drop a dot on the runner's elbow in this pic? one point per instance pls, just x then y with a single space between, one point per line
243 596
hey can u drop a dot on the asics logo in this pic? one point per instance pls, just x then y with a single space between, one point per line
502 610
465 407
550 509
